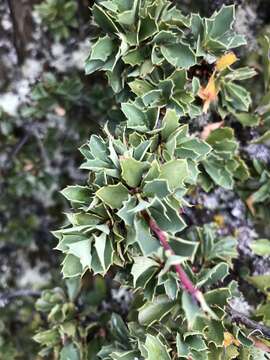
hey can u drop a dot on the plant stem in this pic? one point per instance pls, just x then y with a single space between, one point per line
185 281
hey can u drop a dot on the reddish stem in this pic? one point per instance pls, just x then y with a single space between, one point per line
185 281
163 238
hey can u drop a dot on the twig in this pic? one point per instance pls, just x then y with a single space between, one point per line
31 130
240 318
41 147
186 283
6 298
18 147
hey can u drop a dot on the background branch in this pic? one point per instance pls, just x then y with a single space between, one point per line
240 318
6 298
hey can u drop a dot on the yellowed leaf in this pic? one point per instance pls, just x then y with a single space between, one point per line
225 61
219 220
229 339
209 93
209 128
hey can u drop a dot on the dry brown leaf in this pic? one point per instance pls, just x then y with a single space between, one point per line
209 93
60 111
209 128
250 205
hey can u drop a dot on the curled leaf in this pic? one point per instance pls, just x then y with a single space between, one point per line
209 93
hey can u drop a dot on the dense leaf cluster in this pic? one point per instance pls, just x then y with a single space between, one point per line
167 69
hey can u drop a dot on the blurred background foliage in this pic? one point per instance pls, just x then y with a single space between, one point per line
48 108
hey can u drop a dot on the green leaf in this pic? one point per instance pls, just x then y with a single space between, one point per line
71 266
134 57
148 28
264 41
261 247
73 288
214 275
125 355
82 250
219 135
48 337
113 195
264 139
143 270
171 287
175 172
167 217
155 349
104 249
92 66
218 173
237 96
138 119
153 312
102 49
104 20
125 213
170 123
241 74
115 78
261 282
194 149
183 247
144 238
132 171
140 87
77 194
158 187
179 55
70 352
224 248
223 21
152 98
128 17
191 309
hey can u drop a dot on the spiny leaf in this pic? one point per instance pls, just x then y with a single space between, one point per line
113 195
155 349
179 55
175 172
77 194
132 171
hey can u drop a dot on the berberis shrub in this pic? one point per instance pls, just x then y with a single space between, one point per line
130 222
